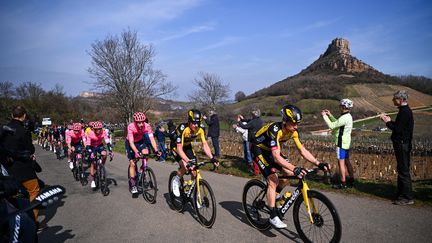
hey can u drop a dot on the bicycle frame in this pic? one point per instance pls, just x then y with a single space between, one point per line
139 170
303 189
196 181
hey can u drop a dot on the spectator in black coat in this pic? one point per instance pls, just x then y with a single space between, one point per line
21 167
213 131
402 134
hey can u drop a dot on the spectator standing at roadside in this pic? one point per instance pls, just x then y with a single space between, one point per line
213 131
246 146
22 168
252 126
160 134
402 133
341 130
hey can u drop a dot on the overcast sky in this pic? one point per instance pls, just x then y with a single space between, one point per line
249 44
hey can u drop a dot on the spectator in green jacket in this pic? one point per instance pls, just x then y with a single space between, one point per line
341 130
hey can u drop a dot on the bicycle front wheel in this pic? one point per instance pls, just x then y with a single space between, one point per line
149 185
103 181
326 227
81 173
254 204
205 204
176 202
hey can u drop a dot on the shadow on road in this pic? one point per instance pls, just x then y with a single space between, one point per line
187 207
236 209
55 234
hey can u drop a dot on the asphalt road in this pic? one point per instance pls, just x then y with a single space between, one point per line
87 216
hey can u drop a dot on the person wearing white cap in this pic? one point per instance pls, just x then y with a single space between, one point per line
341 130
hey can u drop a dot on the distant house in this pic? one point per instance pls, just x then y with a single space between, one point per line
88 94
324 132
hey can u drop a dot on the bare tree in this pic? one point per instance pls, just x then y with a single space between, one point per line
6 90
211 91
30 90
123 71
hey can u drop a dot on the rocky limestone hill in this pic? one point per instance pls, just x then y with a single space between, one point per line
337 59
327 76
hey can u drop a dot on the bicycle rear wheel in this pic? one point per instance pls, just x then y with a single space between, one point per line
149 185
205 204
254 204
176 202
326 227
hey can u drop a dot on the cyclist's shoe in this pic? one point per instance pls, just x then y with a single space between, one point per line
134 190
93 184
277 223
71 166
340 186
403 202
176 186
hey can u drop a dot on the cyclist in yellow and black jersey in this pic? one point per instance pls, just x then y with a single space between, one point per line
266 150
183 151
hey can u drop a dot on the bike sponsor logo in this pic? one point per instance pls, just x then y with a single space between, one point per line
292 199
191 189
260 163
272 143
17 227
48 194
260 139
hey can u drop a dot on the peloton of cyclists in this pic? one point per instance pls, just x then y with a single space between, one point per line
94 144
266 150
136 146
183 151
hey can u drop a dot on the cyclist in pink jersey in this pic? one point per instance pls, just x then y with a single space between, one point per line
136 146
74 141
94 144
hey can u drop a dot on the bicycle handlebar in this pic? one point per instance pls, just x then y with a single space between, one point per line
309 173
192 165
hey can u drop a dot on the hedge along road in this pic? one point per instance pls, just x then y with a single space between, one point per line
86 216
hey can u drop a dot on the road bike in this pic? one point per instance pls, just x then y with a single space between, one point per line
100 176
146 180
315 217
196 191
78 170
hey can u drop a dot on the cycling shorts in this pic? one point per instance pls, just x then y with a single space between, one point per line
265 161
78 147
187 150
342 153
140 145
99 149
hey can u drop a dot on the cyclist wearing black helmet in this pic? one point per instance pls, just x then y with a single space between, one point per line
182 150
266 150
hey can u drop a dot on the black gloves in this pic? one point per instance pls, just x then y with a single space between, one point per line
323 166
214 160
297 171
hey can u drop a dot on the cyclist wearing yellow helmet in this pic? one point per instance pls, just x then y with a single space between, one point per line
183 151
266 149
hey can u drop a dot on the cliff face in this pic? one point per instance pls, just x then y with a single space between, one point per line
337 59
